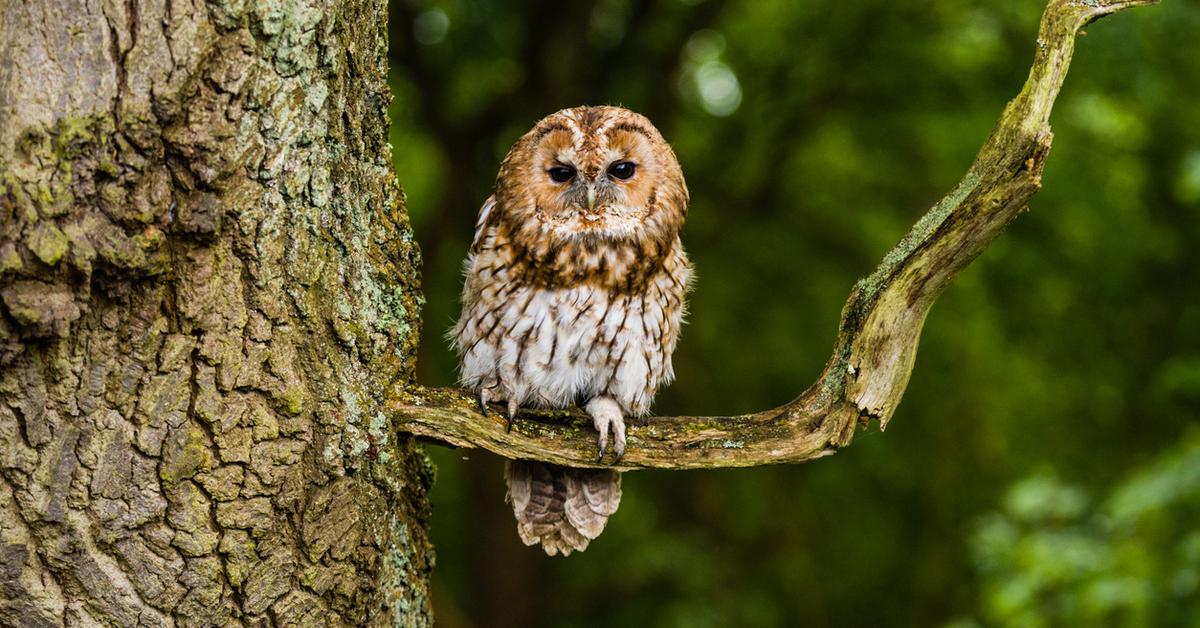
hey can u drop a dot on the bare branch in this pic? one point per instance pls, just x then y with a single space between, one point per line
881 321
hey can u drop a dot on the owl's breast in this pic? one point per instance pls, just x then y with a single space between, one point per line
552 347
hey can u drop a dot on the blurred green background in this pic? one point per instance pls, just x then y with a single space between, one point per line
1044 467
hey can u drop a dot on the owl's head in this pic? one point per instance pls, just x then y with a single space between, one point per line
600 173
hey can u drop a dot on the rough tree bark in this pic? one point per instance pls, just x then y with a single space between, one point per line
206 278
876 343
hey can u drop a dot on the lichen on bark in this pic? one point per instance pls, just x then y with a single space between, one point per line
207 277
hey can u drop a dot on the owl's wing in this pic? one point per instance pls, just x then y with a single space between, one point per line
481 223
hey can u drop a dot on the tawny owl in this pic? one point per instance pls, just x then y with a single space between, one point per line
574 294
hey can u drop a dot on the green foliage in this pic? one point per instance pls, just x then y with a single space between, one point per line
1073 342
1051 557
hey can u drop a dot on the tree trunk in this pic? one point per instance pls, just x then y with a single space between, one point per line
207 278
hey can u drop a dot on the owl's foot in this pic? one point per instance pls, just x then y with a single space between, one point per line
606 415
489 393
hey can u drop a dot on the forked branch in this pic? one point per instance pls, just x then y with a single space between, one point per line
880 326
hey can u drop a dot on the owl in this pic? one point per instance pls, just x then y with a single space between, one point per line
574 295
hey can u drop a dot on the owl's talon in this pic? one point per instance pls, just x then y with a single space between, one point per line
512 414
619 439
606 416
602 443
482 399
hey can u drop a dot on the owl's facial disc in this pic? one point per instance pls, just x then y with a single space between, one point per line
593 173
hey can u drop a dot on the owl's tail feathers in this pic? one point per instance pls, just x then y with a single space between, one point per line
560 507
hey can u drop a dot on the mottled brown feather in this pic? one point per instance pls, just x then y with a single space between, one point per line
596 263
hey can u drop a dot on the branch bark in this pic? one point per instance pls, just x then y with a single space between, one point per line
880 327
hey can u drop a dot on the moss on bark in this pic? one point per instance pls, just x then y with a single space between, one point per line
207 278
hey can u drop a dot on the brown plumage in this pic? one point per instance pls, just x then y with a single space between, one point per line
574 294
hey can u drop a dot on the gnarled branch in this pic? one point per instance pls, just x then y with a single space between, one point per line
880 326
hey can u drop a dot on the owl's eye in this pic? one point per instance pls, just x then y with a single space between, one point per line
622 170
562 174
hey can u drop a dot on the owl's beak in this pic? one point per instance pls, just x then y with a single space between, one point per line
591 196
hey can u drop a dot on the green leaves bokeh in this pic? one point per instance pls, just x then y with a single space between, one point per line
1022 481
1053 557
